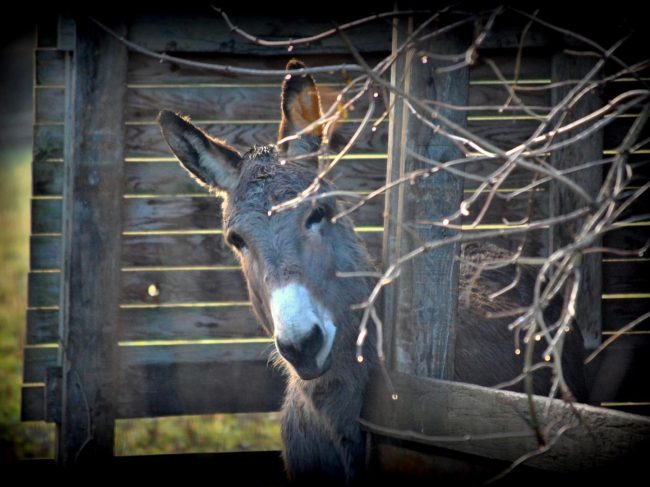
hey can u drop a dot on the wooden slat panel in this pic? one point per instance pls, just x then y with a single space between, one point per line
160 324
144 70
48 105
44 252
50 67
43 289
189 323
167 177
626 277
263 102
619 312
162 250
627 238
146 140
197 32
620 373
181 213
42 326
185 379
183 286
36 361
474 410
48 142
47 178
46 216
32 403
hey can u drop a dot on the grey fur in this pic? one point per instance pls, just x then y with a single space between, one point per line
322 439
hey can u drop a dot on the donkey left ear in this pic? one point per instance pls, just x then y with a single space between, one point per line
213 163
300 107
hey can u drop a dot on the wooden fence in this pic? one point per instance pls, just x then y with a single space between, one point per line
131 287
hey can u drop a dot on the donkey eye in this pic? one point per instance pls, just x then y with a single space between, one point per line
315 217
236 241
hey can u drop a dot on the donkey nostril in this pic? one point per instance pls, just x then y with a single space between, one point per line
307 347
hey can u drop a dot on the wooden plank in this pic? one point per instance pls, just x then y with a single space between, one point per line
36 361
185 286
46 216
423 328
49 67
619 312
166 250
619 374
464 409
563 200
185 379
146 141
48 142
49 104
44 252
262 102
42 326
94 157
47 178
189 323
195 323
622 277
43 289
171 32
144 70
32 403
167 177
184 213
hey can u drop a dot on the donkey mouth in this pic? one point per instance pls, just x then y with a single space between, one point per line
311 370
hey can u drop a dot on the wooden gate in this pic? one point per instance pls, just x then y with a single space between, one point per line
136 306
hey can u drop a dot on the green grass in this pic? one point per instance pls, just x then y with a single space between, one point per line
17 440
186 434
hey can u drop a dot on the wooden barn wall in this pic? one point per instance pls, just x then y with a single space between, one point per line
188 340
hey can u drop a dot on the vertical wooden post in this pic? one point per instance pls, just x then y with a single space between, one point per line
562 200
422 309
92 209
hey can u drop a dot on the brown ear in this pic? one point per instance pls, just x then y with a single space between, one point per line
300 107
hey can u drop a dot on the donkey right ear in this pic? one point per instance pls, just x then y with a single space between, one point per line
214 164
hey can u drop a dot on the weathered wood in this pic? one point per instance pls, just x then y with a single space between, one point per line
183 286
46 216
563 200
47 178
44 252
423 333
180 379
49 67
146 141
622 277
32 403
42 326
144 70
48 142
619 312
262 102
49 104
43 289
189 323
448 411
91 247
189 32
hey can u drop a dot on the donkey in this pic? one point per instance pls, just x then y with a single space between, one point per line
290 261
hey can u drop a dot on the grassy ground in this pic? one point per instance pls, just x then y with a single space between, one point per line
144 436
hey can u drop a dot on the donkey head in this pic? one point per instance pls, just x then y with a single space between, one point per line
289 258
